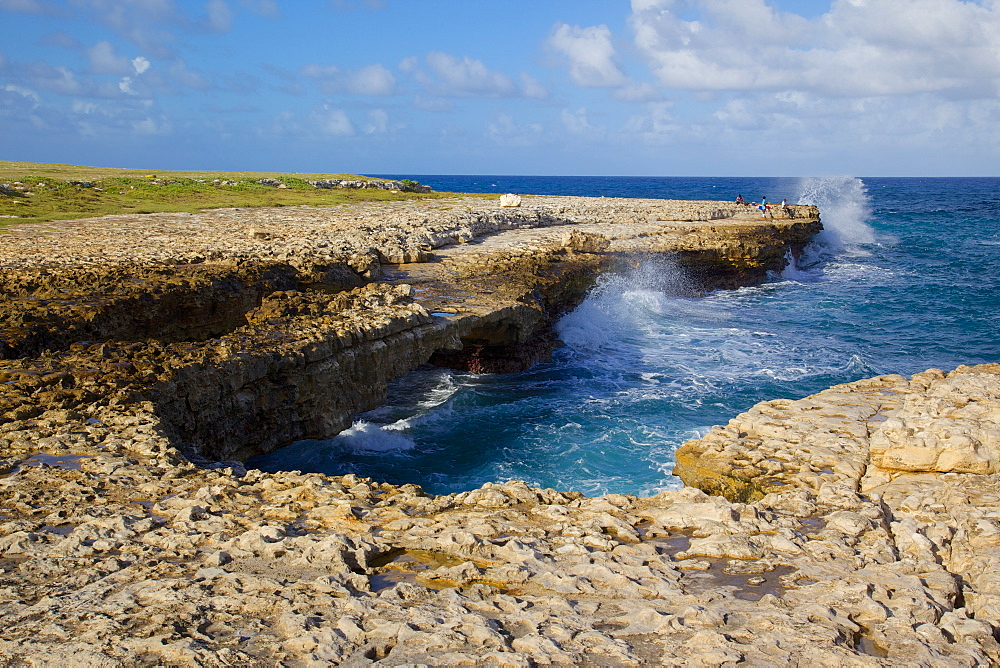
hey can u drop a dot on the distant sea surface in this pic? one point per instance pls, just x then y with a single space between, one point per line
905 277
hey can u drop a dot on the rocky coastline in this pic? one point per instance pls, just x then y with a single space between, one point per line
142 357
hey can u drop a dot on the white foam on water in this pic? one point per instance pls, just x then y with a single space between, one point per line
845 209
691 350
622 307
852 272
367 437
441 414
606 317
792 272
679 349
425 390
440 393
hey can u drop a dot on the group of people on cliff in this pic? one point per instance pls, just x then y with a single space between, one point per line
763 207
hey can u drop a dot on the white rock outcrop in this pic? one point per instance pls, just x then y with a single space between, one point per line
861 528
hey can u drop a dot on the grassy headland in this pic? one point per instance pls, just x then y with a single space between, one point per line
35 192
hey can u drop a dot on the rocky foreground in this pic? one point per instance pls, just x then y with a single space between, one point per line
857 527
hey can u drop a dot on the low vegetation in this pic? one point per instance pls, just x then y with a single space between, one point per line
34 192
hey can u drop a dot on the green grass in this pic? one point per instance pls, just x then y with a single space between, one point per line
60 192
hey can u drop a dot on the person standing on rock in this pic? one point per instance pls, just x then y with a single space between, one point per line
764 208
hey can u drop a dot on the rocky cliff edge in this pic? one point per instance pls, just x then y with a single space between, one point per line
856 527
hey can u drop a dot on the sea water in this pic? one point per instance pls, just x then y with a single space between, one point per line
905 277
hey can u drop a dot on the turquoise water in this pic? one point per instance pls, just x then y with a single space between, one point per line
905 277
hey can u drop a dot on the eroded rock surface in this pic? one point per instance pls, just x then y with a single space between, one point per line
903 469
236 324
116 550
857 527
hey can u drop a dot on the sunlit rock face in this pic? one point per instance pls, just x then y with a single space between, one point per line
914 458
114 546
250 329
854 527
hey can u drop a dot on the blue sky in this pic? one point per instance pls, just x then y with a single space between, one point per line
648 87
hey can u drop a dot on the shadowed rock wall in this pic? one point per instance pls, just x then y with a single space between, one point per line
249 330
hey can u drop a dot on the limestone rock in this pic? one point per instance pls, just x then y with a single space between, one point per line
585 242
860 526
954 426
120 557
510 200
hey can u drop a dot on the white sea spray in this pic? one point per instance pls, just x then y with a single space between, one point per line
643 369
845 209
368 437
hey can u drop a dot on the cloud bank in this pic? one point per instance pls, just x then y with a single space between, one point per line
651 86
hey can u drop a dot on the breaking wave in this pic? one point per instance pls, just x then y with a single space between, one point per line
644 368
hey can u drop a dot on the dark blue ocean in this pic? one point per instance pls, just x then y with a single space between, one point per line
905 277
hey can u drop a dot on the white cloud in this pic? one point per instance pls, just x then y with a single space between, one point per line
911 135
531 87
378 122
23 92
857 49
591 54
20 107
316 71
372 80
149 126
332 122
62 81
577 122
468 77
503 129
59 80
656 123
140 64
886 76
913 23
83 107
643 5
785 120
219 16
104 59
410 64
637 92
449 76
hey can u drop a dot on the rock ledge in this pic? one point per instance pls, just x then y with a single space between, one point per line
862 524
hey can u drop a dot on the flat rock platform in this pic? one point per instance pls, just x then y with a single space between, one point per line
143 357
